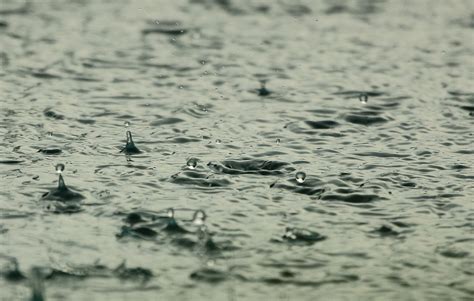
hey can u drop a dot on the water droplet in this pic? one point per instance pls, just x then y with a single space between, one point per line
263 89
180 87
60 168
199 217
129 137
300 177
170 213
218 141
127 124
363 98
192 163
278 141
203 62
157 22
289 233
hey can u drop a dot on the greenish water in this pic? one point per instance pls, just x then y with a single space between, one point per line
329 145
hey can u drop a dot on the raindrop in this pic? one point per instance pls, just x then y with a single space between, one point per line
199 217
263 91
127 124
300 177
218 141
130 147
363 98
60 168
289 233
192 163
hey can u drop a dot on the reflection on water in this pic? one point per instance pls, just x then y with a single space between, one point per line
283 150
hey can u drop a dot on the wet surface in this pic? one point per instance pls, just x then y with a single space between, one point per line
328 144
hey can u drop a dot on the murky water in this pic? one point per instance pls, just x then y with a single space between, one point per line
286 150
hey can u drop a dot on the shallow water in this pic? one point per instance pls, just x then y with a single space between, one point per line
384 212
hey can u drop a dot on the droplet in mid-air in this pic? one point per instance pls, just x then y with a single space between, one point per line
60 168
199 217
300 177
170 213
363 98
192 163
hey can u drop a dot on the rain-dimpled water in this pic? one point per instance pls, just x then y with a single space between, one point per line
236 150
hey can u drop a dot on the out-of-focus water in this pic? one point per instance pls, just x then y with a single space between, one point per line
329 145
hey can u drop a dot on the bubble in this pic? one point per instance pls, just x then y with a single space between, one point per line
170 213
192 163
300 177
199 217
218 141
60 168
363 98
127 124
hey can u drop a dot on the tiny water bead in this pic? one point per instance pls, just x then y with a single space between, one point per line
192 163
199 217
363 98
59 168
300 177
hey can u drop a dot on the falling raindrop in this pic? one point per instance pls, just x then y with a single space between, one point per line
199 217
60 168
300 177
192 163
170 213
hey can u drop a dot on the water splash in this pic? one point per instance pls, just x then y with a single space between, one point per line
302 236
263 91
130 148
192 163
62 193
300 177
